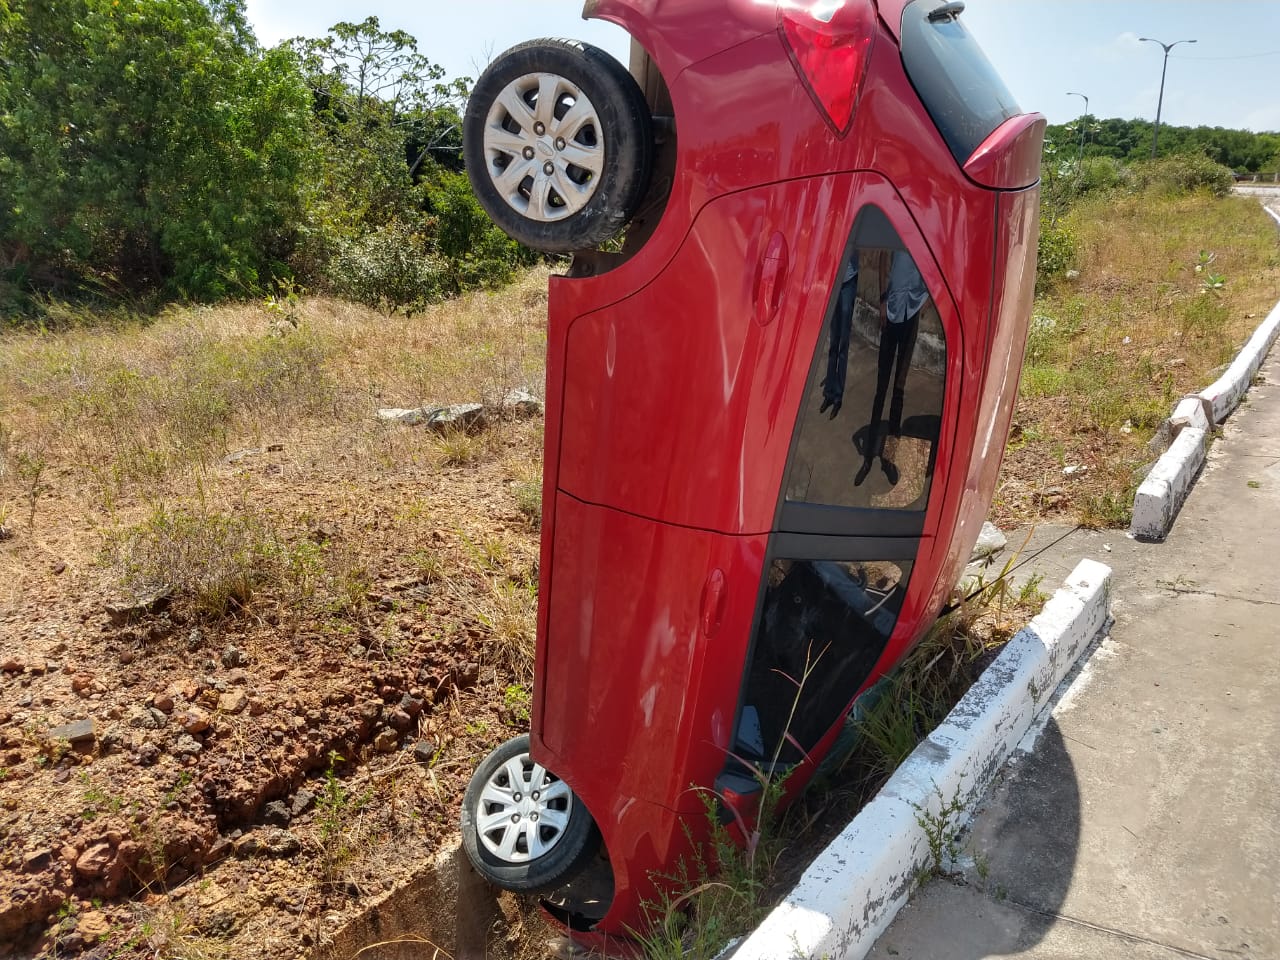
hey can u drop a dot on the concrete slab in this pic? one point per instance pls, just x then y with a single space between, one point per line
999 927
1146 821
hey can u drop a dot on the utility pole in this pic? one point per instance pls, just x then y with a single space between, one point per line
1080 156
1155 134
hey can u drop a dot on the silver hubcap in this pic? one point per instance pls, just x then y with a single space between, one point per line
523 811
543 147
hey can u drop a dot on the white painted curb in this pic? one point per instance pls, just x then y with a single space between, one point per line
856 886
1161 494
1227 390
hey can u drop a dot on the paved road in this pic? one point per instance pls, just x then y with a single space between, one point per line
1146 822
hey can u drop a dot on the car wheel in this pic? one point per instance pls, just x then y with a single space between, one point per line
558 144
522 827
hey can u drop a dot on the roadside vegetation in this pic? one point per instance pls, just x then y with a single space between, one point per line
1151 278
156 152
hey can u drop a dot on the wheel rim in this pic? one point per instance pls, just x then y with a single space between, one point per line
543 146
523 812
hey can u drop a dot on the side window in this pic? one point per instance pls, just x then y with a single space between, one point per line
821 630
868 430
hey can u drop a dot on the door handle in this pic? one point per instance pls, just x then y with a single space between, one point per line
771 278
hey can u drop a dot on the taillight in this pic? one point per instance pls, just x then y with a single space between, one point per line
829 42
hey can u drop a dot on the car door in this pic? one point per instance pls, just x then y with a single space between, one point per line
847 568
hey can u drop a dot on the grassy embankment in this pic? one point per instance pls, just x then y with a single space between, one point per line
118 445
1169 288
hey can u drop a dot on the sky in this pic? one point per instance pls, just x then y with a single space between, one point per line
1042 48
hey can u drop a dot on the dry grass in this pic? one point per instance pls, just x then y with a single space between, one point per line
221 454
1169 288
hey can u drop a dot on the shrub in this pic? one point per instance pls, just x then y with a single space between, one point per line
1057 252
391 268
1183 173
476 253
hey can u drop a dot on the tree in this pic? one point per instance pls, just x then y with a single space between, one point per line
148 143
376 98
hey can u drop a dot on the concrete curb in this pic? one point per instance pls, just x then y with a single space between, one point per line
1160 496
856 886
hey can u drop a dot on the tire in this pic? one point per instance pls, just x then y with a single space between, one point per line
576 183
500 846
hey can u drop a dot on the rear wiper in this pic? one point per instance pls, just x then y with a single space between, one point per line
948 12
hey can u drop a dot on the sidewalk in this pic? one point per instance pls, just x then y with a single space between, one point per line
1146 822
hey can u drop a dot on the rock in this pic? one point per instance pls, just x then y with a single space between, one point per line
163 702
412 705
126 612
78 732
59 568
94 863
148 754
990 542
193 720
156 719
221 848
268 842
521 403
37 860
424 751
233 656
400 720
469 417
277 814
12 665
81 682
386 741
186 746
1073 274
233 702
93 926
302 801
1072 469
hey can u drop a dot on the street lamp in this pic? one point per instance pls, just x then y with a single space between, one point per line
1160 103
1080 158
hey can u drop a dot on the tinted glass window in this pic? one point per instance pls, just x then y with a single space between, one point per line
869 423
829 620
959 87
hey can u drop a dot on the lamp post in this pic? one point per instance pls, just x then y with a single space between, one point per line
1155 134
1080 157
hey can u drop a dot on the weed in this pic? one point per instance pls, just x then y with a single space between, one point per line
427 565
509 610
216 559
1030 593
336 810
528 498
458 448
983 865
1254 485
518 700
30 468
941 832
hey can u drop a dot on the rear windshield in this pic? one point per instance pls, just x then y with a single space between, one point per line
959 87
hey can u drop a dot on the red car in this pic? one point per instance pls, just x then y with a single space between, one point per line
775 410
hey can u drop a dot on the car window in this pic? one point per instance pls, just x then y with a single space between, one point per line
822 628
869 423
957 84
